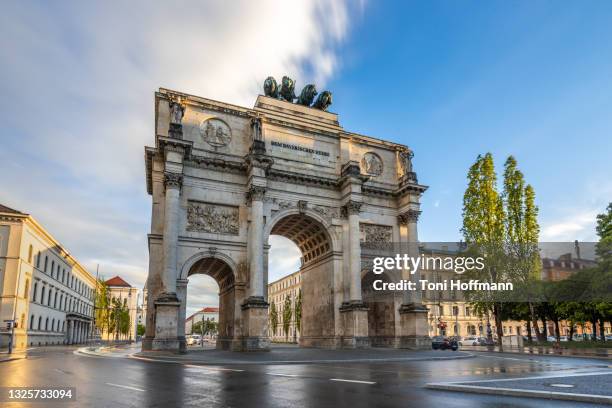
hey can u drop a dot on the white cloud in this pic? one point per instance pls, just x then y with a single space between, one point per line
77 81
578 225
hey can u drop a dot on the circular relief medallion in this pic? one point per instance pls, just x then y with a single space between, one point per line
215 132
371 164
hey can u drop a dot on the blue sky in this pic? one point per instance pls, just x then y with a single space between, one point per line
451 79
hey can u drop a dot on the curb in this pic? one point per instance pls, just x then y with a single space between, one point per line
138 356
517 392
542 354
6 360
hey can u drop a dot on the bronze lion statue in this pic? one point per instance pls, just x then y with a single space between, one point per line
324 100
307 96
287 91
271 87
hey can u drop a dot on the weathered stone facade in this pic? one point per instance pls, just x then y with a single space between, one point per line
227 177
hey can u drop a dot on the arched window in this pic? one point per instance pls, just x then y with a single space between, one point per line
52 267
47 324
30 254
53 325
31 322
26 291
49 297
55 301
38 260
46 262
42 295
61 300
63 325
63 275
22 322
39 322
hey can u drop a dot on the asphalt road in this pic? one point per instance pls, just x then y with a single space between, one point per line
121 382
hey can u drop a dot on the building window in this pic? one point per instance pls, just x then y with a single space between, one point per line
52 267
38 260
22 322
39 322
47 324
27 289
49 297
30 254
60 304
63 275
32 322
455 311
55 301
46 262
467 311
42 295
53 325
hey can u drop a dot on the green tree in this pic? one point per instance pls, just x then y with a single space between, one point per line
140 329
102 307
273 317
483 227
287 314
298 311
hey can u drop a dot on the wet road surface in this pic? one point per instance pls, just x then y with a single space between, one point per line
122 382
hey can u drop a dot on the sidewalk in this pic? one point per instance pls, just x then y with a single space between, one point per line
17 355
545 350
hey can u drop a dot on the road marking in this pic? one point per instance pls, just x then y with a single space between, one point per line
283 375
213 368
532 378
352 381
562 385
61 371
127 387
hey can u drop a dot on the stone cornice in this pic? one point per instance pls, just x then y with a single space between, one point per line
352 207
256 193
409 217
173 180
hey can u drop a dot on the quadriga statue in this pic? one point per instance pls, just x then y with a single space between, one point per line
271 87
287 91
324 100
307 96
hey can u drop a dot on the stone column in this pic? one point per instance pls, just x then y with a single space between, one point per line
255 308
354 312
167 303
255 250
413 315
181 292
69 334
352 210
173 183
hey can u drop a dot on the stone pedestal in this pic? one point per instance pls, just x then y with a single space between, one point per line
255 325
413 333
355 324
166 320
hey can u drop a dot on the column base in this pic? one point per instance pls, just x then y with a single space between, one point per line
355 322
255 323
166 323
413 327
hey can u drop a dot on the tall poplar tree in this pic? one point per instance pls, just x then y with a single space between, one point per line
287 313
273 317
484 224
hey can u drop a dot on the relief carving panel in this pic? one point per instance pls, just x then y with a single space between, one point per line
213 218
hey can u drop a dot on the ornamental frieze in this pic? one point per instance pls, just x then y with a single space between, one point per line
213 218
375 233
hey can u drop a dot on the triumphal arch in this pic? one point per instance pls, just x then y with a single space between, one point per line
223 178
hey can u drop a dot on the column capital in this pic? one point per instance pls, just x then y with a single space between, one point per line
256 193
352 208
410 216
173 180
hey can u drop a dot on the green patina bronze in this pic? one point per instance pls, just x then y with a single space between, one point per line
307 95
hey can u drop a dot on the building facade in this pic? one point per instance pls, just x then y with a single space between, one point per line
124 292
211 313
278 291
43 288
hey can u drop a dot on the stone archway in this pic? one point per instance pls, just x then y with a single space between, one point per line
222 269
321 267
224 177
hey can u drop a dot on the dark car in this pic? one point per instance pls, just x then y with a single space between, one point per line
444 343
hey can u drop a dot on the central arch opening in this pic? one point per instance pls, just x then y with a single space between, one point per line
301 276
221 330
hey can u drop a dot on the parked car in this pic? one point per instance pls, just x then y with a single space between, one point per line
444 343
563 338
469 340
551 338
480 341
608 337
578 337
194 340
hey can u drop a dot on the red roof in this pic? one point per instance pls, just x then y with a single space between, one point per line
210 310
117 281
